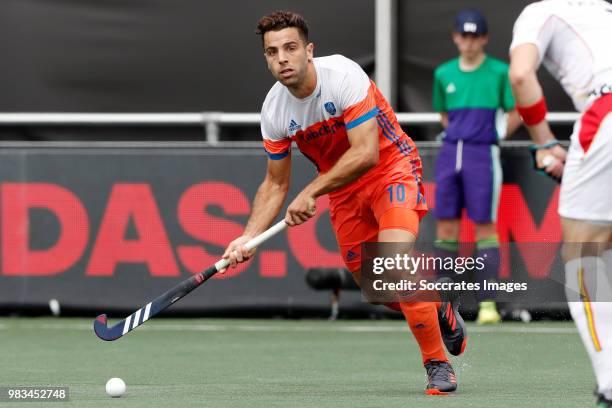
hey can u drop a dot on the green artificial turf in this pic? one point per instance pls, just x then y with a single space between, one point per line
291 363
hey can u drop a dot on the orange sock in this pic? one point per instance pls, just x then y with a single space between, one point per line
422 318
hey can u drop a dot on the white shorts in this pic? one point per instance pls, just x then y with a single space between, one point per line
586 189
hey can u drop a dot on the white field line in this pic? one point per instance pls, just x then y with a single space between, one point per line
523 329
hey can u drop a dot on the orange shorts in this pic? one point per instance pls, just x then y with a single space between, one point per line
356 211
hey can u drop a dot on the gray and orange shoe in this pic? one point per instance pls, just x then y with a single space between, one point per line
452 326
440 378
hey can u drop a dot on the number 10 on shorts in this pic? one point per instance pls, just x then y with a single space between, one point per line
397 192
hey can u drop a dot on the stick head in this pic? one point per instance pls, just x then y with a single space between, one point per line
102 330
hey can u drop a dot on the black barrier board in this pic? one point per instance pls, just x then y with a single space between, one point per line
112 228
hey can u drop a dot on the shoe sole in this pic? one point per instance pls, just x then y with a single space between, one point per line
437 392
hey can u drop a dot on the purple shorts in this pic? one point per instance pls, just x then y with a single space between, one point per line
468 176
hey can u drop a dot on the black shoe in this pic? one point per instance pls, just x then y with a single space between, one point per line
440 378
603 402
452 326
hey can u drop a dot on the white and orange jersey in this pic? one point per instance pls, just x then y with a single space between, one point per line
573 39
344 98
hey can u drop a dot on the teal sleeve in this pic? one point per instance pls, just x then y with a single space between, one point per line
438 98
507 97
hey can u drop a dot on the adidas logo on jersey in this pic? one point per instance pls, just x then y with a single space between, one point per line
451 88
293 126
350 255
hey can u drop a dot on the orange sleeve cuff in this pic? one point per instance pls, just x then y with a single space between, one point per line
277 149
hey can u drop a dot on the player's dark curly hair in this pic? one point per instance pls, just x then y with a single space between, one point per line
282 19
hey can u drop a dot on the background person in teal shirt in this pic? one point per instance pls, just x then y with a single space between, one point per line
471 92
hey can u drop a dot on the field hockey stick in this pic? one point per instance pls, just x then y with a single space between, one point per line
164 301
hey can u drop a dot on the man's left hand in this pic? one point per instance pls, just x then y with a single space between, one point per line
301 209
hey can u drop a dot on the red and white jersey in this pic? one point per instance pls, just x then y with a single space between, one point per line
344 98
573 38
